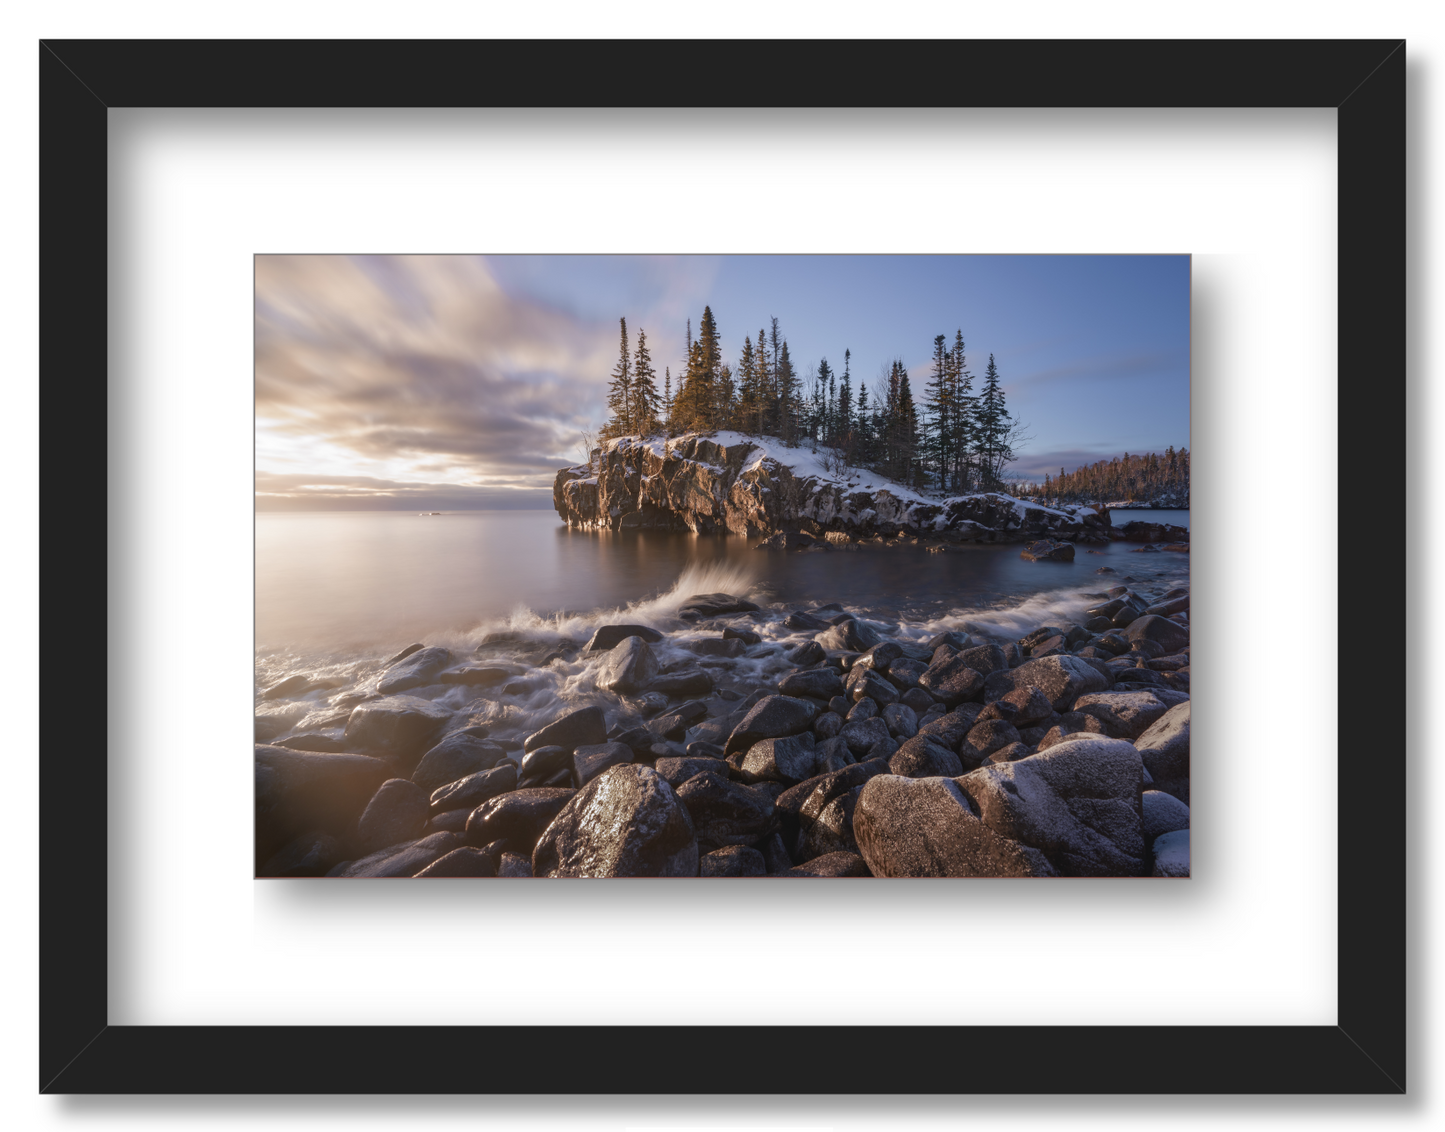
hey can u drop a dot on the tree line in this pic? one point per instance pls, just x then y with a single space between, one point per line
956 439
1151 478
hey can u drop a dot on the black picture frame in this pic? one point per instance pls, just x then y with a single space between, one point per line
1364 1052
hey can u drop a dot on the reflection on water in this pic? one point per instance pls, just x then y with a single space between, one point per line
339 583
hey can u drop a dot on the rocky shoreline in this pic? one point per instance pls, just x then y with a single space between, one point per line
730 740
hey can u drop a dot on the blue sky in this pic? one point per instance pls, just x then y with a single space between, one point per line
454 381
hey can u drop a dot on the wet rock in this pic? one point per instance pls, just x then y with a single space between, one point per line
455 757
575 729
1170 606
702 750
674 724
1030 706
406 652
1062 679
1077 802
1048 550
919 700
1125 715
590 761
702 606
827 725
297 792
747 636
951 727
863 709
987 737
801 622
850 635
453 821
676 771
309 855
1029 641
541 764
418 669
831 865
775 854
772 717
1164 747
1171 636
904 673
821 683
1163 813
789 759
288 688
832 830
514 865
332 741
403 860
397 812
627 822
863 734
954 639
926 827
630 666
952 681
725 812
922 757
901 721
874 687
518 818
1071 725
1011 753
608 637
832 754
400 726
808 654
277 718
477 677
1171 854
690 682
718 646
732 861
467 861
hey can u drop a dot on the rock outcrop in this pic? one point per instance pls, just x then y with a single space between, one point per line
757 487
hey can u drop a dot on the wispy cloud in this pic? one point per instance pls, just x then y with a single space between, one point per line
301 492
422 366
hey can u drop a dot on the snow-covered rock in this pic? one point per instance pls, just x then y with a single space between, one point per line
758 487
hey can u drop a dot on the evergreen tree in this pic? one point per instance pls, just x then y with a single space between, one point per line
966 410
827 387
863 445
766 390
619 393
667 402
644 387
940 430
750 398
787 379
991 442
845 404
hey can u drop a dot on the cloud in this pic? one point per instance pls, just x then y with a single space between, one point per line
302 492
423 364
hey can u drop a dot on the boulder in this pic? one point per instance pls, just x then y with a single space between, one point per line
397 812
951 727
832 754
406 652
922 757
400 726
675 771
702 606
863 709
453 821
902 722
590 761
1030 706
849 635
1061 679
808 654
626 822
905 672
732 861
985 738
514 865
874 687
840 864
403 860
468 861
1125 715
518 818
725 812
456 756
827 725
800 622
575 729
1164 747
1171 854
608 637
541 764
417 670
1161 630
831 831
772 717
952 681
674 724
690 682
486 677
630 666
1163 813
1048 550
926 827
789 760
288 688
820 683
299 791
1077 802
1170 606
919 700
862 735
718 646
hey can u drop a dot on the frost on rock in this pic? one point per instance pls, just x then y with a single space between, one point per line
757 487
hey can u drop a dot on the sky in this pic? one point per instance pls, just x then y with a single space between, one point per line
464 382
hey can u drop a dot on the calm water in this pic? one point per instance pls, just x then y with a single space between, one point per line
353 584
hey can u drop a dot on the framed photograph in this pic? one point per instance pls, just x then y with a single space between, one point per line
739 600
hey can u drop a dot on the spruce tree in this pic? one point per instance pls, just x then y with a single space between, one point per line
764 377
750 401
993 430
940 424
644 387
787 395
667 402
845 405
619 393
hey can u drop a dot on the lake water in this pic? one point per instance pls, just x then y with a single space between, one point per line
347 587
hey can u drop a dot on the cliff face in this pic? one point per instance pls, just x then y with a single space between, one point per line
754 486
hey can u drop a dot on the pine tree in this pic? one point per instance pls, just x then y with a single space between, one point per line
966 410
827 388
992 431
619 393
788 407
863 447
845 406
644 388
940 423
764 378
750 400
667 402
